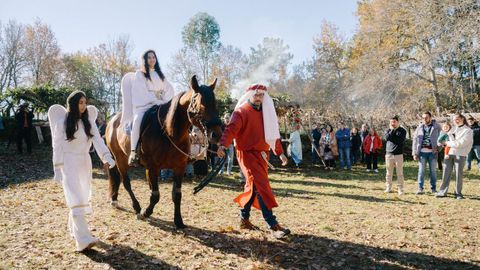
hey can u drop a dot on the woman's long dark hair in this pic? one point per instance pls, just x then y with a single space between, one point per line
146 67
73 115
464 119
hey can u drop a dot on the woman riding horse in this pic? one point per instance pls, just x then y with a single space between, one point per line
165 143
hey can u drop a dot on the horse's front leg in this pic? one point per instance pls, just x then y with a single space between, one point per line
177 196
152 178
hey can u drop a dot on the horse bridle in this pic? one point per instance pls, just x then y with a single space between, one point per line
196 120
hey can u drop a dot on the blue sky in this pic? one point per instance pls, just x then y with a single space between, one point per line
80 25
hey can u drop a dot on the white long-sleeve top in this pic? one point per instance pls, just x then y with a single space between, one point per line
81 144
146 93
460 141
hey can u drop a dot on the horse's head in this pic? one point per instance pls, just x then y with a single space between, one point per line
203 106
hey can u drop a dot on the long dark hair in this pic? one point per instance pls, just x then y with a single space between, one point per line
146 67
73 115
464 119
331 128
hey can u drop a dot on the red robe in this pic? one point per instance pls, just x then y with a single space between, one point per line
246 127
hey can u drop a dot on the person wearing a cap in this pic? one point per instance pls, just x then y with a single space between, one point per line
254 127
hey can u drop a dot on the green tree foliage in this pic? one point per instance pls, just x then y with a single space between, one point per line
43 96
202 36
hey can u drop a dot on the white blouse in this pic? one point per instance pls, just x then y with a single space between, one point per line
146 93
81 144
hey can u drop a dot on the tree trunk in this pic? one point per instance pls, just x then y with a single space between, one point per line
472 78
436 95
462 98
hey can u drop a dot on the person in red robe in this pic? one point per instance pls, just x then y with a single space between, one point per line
254 127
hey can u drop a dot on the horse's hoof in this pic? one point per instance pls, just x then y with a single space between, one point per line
143 215
114 204
180 226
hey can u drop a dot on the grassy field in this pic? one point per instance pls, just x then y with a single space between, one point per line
339 220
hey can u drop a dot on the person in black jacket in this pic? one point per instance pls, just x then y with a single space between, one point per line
475 152
356 145
316 135
24 126
395 137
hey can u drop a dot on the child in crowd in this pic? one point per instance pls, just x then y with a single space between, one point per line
446 127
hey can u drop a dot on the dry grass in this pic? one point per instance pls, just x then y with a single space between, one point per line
340 220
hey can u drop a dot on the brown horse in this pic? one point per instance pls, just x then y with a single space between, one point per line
165 144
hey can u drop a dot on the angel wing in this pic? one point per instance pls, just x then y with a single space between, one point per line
56 112
97 139
56 118
127 103
92 113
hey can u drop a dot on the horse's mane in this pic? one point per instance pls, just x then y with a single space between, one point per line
171 115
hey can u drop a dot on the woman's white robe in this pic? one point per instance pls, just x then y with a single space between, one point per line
146 93
76 165
295 146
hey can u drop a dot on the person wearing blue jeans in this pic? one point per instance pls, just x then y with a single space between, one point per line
189 170
475 152
166 173
345 158
229 162
431 159
344 145
267 214
425 150
230 154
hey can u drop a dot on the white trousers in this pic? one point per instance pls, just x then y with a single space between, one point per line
78 227
137 122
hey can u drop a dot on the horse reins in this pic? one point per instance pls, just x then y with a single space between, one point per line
190 109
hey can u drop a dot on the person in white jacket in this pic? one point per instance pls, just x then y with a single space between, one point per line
73 132
149 88
294 149
460 142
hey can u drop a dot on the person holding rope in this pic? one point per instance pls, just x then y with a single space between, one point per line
254 126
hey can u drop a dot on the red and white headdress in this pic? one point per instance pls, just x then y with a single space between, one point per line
270 120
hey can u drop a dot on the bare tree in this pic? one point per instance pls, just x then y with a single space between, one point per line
111 62
12 55
42 53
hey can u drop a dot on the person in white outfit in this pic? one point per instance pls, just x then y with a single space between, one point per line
294 149
73 132
149 88
460 142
